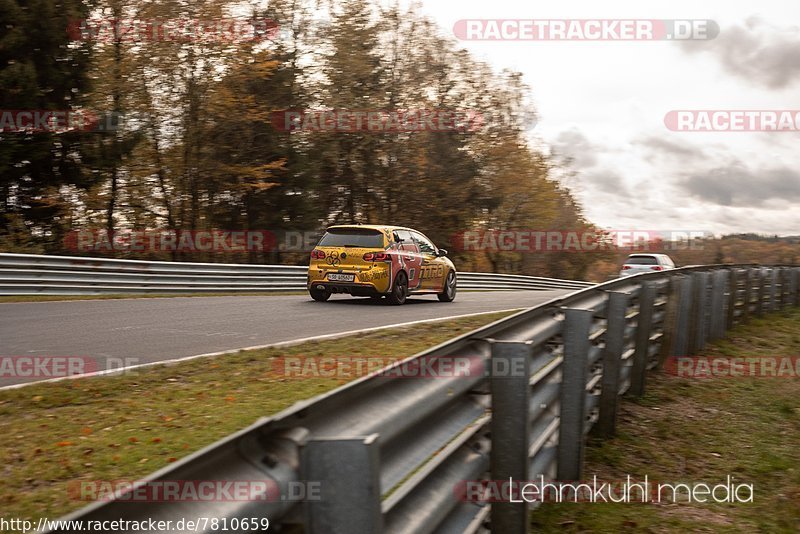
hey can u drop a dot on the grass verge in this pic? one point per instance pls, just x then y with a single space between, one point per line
126 426
702 430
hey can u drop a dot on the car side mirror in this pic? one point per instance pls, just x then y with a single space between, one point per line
441 252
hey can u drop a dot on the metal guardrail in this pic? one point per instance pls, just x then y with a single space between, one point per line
390 452
29 274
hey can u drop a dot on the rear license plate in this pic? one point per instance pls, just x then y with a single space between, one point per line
337 277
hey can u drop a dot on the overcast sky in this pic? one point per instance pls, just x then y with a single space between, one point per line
603 104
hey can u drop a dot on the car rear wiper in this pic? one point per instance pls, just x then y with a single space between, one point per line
351 246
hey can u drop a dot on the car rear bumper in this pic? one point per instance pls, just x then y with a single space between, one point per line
374 280
358 290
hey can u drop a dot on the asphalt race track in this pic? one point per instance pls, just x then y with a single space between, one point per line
136 331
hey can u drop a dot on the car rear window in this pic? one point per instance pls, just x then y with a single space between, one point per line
352 237
641 260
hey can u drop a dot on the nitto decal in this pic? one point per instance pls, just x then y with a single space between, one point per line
431 271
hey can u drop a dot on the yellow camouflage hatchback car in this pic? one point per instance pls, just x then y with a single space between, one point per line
376 261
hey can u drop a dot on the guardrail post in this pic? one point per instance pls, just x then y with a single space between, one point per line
644 328
697 325
786 276
733 298
747 298
717 312
668 320
612 361
786 286
761 291
683 309
574 374
773 289
348 474
795 286
510 429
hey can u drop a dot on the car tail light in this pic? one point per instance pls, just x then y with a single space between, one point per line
626 267
317 255
376 256
657 268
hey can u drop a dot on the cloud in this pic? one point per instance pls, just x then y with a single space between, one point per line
605 181
762 53
736 185
661 147
574 145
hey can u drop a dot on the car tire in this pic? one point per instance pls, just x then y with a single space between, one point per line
450 287
399 290
320 296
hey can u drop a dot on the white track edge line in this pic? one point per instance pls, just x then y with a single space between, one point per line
255 347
